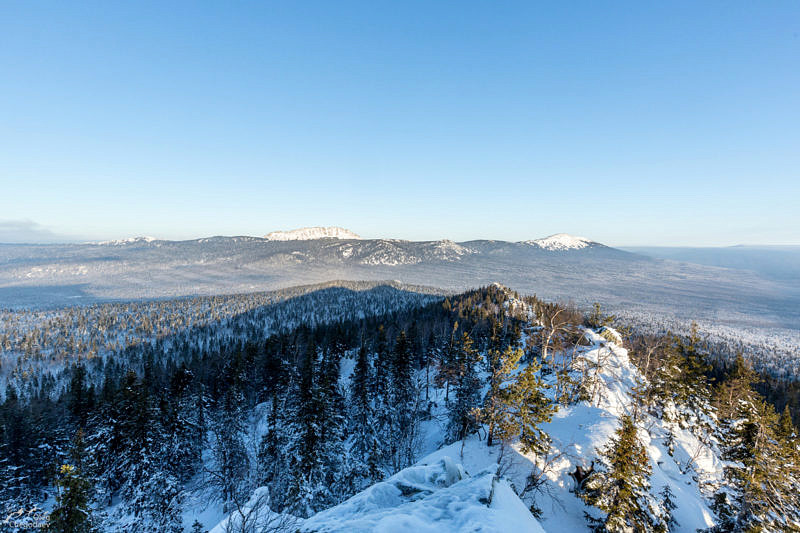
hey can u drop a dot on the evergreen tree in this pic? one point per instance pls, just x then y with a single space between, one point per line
597 319
693 389
621 488
495 413
668 505
183 425
516 404
307 492
531 408
230 454
331 421
447 367
761 473
15 431
122 436
381 396
786 429
680 391
467 390
364 469
403 394
72 512
271 459
79 397
157 499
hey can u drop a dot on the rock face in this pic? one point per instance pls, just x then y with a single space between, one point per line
316 232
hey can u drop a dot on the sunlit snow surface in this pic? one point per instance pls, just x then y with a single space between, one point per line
435 497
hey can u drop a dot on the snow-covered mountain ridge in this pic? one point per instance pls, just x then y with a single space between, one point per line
123 242
312 233
561 242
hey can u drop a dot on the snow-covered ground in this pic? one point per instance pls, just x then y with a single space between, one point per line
430 497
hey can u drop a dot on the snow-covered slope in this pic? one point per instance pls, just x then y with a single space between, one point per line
578 431
560 242
435 497
316 232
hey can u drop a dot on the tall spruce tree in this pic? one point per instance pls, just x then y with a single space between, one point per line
231 461
306 492
516 403
463 419
621 488
332 425
693 385
80 398
72 512
272 460
381 386
447 367
403 394
495 412
183 423
364 468
531 408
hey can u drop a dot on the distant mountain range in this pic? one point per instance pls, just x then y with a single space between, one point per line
556 267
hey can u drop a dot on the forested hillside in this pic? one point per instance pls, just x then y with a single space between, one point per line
345 410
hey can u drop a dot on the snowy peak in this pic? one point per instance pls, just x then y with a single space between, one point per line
560 242
311 233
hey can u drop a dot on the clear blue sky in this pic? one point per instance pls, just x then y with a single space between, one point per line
631 123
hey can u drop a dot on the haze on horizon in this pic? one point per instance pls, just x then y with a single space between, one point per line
628 124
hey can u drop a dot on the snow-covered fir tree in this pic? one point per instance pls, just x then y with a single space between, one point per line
621 487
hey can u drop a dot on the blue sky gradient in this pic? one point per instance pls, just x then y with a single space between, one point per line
632 123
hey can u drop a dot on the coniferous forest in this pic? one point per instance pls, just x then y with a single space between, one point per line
266 411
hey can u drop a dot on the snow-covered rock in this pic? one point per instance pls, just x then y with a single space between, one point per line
316 232
434 498
611 335
560 242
